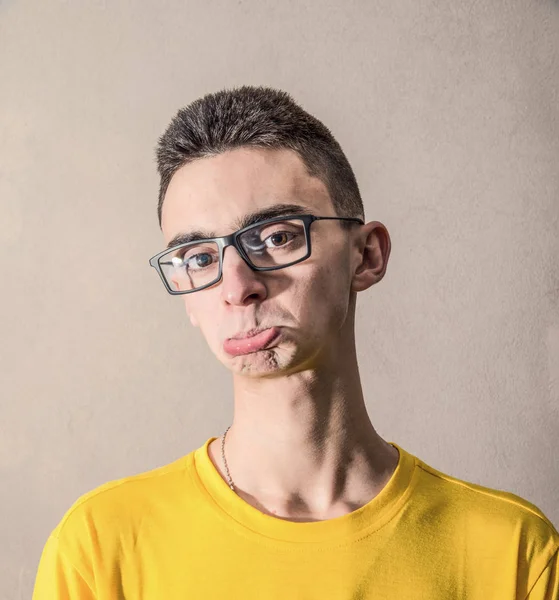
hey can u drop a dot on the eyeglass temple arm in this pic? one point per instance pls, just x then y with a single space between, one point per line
342 219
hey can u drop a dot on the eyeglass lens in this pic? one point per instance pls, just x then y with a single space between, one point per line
266 245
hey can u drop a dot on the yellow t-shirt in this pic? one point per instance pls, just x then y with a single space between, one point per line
179 532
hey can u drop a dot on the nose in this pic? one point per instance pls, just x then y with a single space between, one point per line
240 285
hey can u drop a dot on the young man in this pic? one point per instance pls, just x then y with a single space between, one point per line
300 498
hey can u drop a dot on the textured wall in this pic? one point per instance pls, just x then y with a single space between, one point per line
448 112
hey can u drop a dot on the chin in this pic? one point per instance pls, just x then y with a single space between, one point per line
274 362
257 364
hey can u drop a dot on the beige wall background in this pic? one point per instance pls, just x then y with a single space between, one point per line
448 112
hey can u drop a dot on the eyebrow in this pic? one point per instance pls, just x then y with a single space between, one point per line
276 210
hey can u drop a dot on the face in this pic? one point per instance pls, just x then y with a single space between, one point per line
307 302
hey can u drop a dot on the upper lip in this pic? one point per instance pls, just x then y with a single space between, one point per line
244 334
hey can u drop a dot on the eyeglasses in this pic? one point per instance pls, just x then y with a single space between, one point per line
265 246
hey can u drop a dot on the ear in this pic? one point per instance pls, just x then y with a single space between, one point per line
371 251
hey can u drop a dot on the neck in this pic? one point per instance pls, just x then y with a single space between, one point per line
302 446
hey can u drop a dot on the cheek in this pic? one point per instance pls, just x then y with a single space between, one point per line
202 314
196 313
322 300
190 313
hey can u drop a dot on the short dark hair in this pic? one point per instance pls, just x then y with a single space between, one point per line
260 117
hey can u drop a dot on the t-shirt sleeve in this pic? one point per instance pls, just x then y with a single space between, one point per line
57 578
547 584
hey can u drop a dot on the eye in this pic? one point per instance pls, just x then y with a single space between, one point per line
196 259
201 260
279 235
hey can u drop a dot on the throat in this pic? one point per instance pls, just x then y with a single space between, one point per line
296 510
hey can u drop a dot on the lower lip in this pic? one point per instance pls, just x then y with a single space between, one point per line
252 343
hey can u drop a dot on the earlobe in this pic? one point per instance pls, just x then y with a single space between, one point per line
363 281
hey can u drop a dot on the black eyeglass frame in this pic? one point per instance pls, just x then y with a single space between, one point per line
232 240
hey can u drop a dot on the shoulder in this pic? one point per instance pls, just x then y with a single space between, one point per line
121 504
495 516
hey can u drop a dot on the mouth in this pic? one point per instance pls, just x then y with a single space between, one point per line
251 341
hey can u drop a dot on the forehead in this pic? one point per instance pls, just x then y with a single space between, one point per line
215 192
